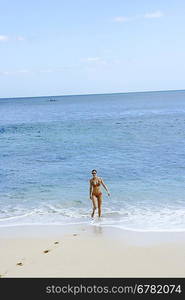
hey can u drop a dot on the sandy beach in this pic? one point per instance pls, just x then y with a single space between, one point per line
89 251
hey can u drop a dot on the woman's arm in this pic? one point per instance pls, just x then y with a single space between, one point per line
105 187
90 189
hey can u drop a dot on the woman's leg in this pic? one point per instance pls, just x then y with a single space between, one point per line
99 204
94 205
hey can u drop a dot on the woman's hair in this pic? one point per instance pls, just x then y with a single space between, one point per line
93 171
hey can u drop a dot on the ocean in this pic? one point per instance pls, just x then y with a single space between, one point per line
136 142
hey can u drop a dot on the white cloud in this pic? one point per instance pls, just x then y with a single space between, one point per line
20 38
46 71
93 59
27 71
9 38
121 19
156 14
23 71
8 73
152 15
4 38
5 73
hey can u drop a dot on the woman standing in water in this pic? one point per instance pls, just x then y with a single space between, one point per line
95 192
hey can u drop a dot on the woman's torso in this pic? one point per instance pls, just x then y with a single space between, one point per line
96 184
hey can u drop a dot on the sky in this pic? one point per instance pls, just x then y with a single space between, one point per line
91 46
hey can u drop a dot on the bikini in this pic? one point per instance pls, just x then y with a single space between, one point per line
96 194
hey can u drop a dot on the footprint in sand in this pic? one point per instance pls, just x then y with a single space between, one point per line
46 251
19 264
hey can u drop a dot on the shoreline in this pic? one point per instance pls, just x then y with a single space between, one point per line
132 236
90 251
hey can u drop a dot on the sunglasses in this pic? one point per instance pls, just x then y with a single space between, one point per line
93 173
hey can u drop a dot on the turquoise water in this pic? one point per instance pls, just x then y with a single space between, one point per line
136 141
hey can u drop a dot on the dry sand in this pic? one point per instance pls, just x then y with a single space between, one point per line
90 251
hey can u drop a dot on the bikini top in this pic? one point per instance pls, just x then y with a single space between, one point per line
96 184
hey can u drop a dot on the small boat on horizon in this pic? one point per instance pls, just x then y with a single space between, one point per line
52 99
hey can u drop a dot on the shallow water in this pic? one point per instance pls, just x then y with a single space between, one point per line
136 141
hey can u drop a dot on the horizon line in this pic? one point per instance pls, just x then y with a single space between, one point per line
92 94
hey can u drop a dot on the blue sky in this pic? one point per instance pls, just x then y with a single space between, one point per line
81 47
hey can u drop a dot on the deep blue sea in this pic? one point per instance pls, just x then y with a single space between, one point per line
136 141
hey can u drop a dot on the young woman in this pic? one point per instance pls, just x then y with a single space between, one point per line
95 192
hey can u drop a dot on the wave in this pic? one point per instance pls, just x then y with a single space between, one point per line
16 217
132 218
